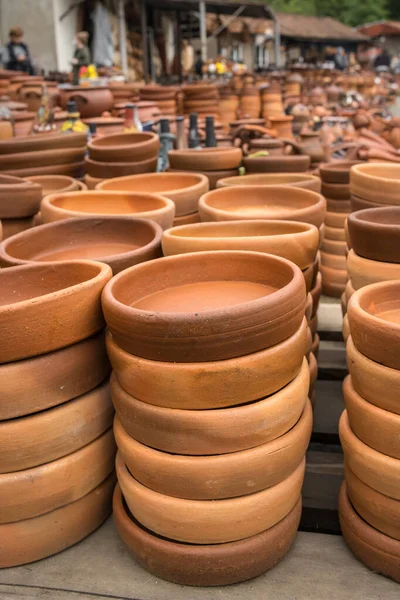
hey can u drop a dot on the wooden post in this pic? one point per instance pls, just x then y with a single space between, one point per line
122 37
178 50
145 50
203 30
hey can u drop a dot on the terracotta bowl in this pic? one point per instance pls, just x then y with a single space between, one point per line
335 219
184 189
72 169
205 565
337 171
364 271
45 436
104 170
92 182
218 431
377 551
316 292
334 262
301 180
375 233
334 247
349 291
335 233
277 164
39 490
377 470
187 219
345 328
212 176
100 204
33 539
373 314
295 241
52 184
206 159
18 198
315 346
29 160
340 206
210 521
46 307
374 181
200 316
12 226
263 202
41 142
336 191
361 204
369 378
119 242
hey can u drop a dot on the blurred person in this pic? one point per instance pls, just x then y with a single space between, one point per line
18 57
198 65
81 55
340 59
382 60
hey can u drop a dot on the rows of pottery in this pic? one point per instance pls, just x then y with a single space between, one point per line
214 163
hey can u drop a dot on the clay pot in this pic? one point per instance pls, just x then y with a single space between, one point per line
374 426
92 182
42 142
371 181
187 219
212 176
52 184
335 219
119 242
336 234
90 101
349 291
105 170
26 161
316 292
274 147
12 226
375 233
39 490
266 297
209 521
184 189
375 469
206 159
18 198
334 247
297 242
333 261
124 147
106 126
300 180
99 204
179 386
333 281
123 90
311 145
340 206
75 169
263 202
337 171
55 305
336 191
63 375
33 539
282 125
276 164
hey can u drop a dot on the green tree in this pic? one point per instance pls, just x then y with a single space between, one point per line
350 12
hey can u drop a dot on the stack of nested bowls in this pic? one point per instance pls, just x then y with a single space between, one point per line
369 504
124 92
201 98
119 155
56 441
43 154
184 189
163 96
249 102
271 100
215 163
19 202
374 184
228 105
210 386
335 178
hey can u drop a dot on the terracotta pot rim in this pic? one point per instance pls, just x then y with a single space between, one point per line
201 180
18 144
70 182
137 164
225 157
242 179
18 183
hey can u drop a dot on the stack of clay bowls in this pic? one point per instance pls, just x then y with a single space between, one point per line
228 105
215 163
250 102
212 424
119 155
201 98
19 202
43 154
163 96
282 163
369 504
271 99
56 442
184 189
335 178
374 184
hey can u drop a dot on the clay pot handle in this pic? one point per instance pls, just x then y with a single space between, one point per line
294 145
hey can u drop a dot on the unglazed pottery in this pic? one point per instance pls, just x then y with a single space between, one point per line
187 219
263 202
335 219
72 169
334 247
334 233
210 521
337 171
212 176
375 233
333 261
124 147
295 241
18 198
26 161
46 307
339 206
376 182
100 204
316 292
52 184
301 180
205 159
104 170
90 101
336 191
41 142
200 304
119 242
374 320
276 164
202 385
205 565
12 226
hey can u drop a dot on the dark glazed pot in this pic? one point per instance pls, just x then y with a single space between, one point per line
375 233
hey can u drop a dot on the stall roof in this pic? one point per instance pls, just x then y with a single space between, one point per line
251 8
304 27
378 28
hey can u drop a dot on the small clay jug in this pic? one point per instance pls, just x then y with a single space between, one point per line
311 145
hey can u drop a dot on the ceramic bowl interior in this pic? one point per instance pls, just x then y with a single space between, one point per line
54 183
157 183
388 215
238 229
382 301
108 203
385 171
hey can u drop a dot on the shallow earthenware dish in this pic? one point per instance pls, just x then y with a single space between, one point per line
52 184
18 198
337 171
206 159
301 180
26 161
376 182
375 233
124 147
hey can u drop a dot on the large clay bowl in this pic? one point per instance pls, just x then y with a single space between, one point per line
218 431
119 242
334 247
200 316
374 320
336 191
295 241
72 169
379 471
361 204
337 171
124 147
333 261
52 184
33 539
206 159
369 378
39 490
201 385
364 271
205 565
377 551
18 198
12 226
212 176
372 181
219 476
339 206
263 202
46 307
100 204
184 189
375 233
210 521
45 436
42 142
103 170
277 164
29 160
378 510
374 426
301 180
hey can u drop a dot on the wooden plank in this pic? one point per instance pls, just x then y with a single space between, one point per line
328 408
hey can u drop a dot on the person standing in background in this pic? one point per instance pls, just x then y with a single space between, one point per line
18 57
81 55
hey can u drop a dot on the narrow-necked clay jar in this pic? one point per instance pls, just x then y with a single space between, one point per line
200 317
209 521
375 233
46 307
18 198
263 202
119 242
295 241
52 184
372 181
205 159
124 147
99 204
301 180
